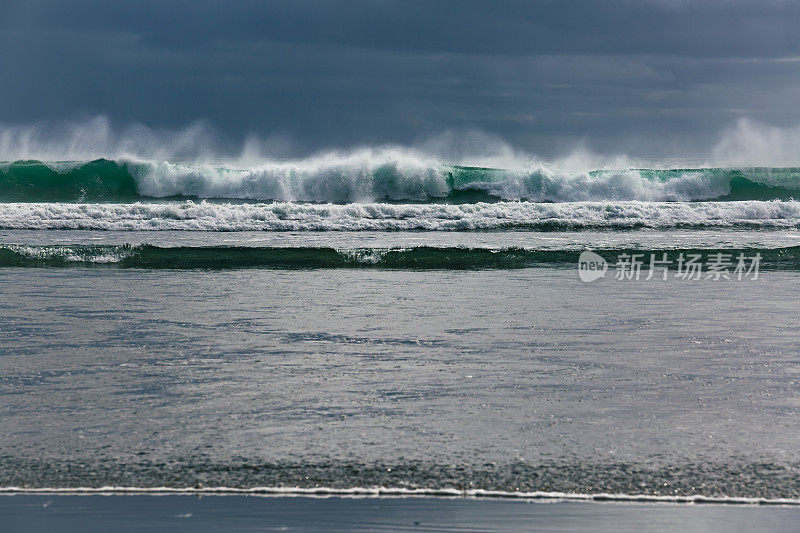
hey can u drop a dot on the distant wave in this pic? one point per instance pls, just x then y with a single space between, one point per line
382 177
285 216
413 258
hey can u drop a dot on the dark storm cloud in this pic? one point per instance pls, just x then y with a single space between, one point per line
623 75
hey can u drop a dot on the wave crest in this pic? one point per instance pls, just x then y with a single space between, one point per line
380 176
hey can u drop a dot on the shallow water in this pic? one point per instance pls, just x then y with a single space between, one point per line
506 379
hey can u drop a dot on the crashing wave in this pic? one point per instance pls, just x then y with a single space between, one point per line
380 177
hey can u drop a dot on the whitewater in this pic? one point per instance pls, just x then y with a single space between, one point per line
289 216
393 319
387 190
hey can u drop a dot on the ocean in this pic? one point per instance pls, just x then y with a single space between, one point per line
396 325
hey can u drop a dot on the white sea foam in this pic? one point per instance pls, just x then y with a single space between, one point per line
359 176
546 184
374 175
374 492
284 216
71 254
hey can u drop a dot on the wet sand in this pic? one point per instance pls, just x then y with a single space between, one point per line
178 513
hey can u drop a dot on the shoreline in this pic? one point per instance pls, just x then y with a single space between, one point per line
400 492
175 513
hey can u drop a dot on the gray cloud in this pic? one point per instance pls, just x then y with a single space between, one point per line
647 77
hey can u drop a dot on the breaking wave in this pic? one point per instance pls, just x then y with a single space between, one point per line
380 176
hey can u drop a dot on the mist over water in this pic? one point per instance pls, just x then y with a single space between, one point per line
745 143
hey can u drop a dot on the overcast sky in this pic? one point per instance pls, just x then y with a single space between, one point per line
646 77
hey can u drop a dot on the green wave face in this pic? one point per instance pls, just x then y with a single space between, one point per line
107 181
459 177
417 258
744 184
96 181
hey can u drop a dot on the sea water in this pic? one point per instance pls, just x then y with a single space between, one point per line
352 326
